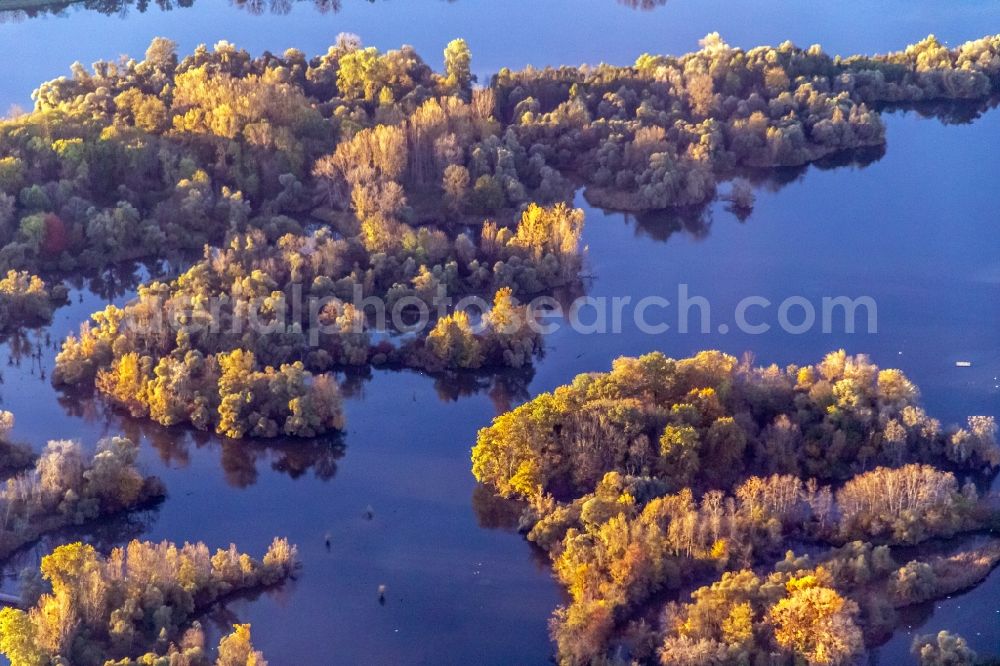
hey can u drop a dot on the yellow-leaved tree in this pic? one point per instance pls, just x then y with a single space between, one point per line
816 623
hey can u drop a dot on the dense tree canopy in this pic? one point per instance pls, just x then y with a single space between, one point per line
704 421
138 157
398 166
139 600
225 345
665 471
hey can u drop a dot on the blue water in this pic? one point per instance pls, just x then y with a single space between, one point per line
511 33
916 230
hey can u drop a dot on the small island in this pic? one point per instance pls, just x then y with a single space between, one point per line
26 301
65 488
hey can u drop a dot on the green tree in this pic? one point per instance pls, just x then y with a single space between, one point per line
679 454
12 174
362 74
488 194
458 67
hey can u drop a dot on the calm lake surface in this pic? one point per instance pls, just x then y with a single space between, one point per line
916 229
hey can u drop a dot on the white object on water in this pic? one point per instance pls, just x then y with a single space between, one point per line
963 364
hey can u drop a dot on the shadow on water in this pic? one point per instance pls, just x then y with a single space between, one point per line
238 459
695 222
948 112
496 513
104 535
30 349
505 387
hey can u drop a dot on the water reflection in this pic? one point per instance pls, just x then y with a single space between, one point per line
18 10
505 389
644 5
83 405
26 346
949 112
31 354
494 512
123 279
696 221
104 535
280 7
239 459
424 483
961 612
660 225
19 572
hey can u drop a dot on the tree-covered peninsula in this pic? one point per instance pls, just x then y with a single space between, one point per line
706 511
